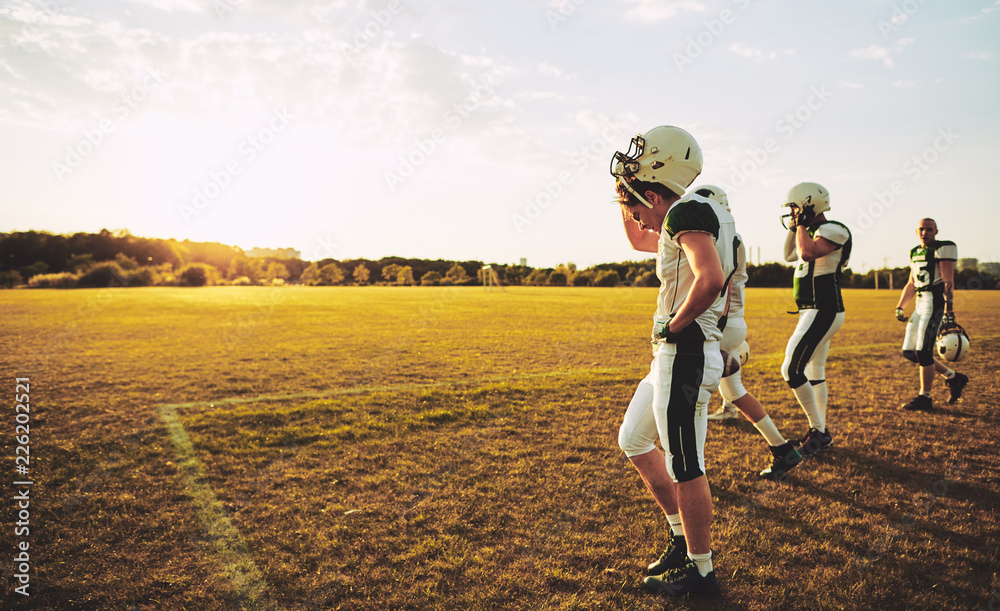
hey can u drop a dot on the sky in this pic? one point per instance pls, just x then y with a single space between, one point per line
484 130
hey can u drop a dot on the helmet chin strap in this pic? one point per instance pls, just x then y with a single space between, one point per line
636 194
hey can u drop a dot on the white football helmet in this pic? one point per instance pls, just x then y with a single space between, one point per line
810 198
667 155
715 193
952 344
744 353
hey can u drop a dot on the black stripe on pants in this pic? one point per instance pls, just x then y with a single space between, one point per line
685 386
807 345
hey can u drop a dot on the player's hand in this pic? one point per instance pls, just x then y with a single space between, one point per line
948 320
900 316
661 331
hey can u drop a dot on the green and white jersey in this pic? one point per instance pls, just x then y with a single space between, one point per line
693 213
817 283
924 264
739 282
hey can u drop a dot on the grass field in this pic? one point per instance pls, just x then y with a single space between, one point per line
422 448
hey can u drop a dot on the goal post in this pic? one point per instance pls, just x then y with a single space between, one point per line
491 278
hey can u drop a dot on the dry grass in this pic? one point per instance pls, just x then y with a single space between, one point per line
455 449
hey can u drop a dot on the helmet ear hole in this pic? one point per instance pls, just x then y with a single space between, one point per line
656 165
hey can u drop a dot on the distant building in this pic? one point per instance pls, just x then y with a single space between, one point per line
967 263
992 268
524 262
280 253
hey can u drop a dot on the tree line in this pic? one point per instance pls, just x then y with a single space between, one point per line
37 259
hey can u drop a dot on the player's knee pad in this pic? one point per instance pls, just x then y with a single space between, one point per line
910 355
815 371
732 387
925 357
633 442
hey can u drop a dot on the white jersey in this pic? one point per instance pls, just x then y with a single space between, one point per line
693 213
739 282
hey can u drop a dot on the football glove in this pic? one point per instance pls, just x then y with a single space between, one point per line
900 316
948 321
662 332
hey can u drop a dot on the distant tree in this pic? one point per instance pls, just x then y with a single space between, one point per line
770 275
10 278
647 279
431 278
274 271
77 263
239 266
198 274
126 262
608 277
405 276
104 274
584 278
458 275
390 273
61 280
557 278
538 277
38 267
361 274
331 274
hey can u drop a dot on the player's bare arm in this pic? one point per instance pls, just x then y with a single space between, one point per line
947 269
703 258
812 248
908 292
791 254
641 239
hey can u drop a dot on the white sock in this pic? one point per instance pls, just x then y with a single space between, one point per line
769 431
675 524
703 562
821 393
806 398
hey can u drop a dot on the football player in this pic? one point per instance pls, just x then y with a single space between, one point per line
932 280
821 248
784 455
695 244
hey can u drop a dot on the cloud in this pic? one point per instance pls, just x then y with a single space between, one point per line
904 84
657 10
873 52
169 6
981 55
758 54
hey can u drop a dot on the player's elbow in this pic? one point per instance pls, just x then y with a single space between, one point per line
713 283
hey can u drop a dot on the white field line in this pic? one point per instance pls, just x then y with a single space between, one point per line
239 567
